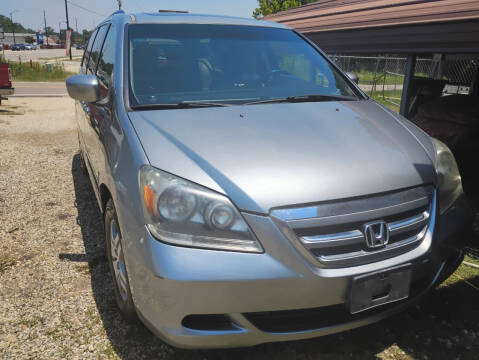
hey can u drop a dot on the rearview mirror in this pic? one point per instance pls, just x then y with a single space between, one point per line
83 88
353 77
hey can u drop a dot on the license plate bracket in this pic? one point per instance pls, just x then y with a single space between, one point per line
382 287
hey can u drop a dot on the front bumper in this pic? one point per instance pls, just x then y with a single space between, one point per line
196 298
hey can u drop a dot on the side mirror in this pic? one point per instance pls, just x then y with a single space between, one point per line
353 77
84 88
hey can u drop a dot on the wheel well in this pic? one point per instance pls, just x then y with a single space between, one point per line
105 195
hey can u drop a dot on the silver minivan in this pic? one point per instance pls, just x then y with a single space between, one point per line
251 192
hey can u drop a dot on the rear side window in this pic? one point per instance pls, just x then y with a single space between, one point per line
86 55
96 49
106 63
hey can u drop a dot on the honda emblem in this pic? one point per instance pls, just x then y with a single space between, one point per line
376 234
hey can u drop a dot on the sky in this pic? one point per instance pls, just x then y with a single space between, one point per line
30 12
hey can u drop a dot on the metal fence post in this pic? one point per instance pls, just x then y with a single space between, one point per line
406 90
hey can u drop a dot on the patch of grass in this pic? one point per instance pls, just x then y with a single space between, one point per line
462 274
93 315
29 322
6 261
109 352
472 253
37 71
394 96
390 106
10 110
59 331
82 268
394 352
367 77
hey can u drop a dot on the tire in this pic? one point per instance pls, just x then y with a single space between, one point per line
82 158
84 170
117 264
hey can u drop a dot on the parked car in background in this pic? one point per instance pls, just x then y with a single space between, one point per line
5 82
79 47
250 191
28 47
17 47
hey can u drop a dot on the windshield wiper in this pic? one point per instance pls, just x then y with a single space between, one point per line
203 104
181 105
304 98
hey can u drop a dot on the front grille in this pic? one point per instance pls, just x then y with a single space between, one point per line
334 233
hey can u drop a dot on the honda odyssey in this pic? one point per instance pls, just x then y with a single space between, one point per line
251 192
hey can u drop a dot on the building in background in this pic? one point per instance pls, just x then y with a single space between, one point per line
20 38
51 40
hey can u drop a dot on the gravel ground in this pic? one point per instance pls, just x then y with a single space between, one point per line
56 296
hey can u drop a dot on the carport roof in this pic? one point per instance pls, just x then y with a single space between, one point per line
400 26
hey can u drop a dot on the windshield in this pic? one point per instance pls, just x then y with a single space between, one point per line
226 64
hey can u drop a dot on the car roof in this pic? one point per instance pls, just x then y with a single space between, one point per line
187 18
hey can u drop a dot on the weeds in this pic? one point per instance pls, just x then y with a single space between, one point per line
6 261
36 71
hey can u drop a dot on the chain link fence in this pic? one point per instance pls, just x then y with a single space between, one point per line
383 76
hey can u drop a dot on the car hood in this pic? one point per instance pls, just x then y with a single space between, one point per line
275 155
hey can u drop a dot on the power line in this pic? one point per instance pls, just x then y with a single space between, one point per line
85 9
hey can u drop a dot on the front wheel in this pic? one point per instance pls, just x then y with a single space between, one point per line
83 163
116 260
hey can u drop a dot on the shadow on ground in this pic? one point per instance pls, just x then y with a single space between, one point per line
444 326
10 110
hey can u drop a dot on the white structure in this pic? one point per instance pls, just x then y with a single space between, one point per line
19 38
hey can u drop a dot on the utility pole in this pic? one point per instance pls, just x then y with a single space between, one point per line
13 25
45 22
68 27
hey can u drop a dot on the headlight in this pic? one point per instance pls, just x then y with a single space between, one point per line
182 213
449 179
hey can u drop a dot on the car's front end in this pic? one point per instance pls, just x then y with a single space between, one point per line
198 298
219 276
265 201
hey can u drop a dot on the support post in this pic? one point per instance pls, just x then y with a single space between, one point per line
46 31
406 88
13 26
68 27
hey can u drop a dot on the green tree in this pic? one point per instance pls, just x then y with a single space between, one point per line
8 27
86 35
268 7
50 30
